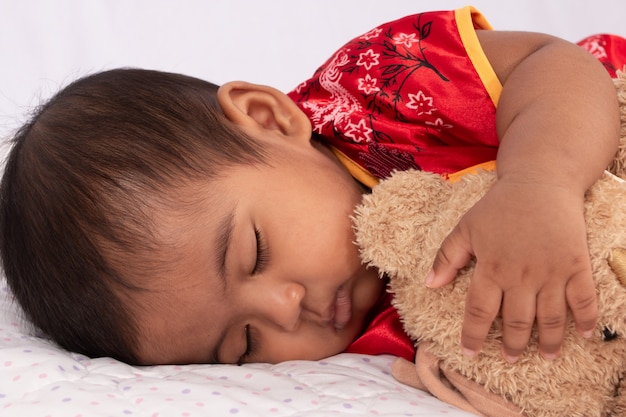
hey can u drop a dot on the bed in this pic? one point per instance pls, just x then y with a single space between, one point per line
48 44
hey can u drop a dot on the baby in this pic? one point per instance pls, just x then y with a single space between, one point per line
158 218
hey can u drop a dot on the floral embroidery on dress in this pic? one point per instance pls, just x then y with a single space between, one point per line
386 99
383 66
610 50
421 103
359 132
368 59
400 56
596 46
367 84
409 94
405 40
438 124
340 104
371 34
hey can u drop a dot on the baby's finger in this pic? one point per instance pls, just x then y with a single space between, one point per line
481 307
518 317
454 254
581 298
551 319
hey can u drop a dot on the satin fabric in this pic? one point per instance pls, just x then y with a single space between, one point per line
384 333
408 94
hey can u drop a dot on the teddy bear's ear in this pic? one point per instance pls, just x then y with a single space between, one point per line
617 261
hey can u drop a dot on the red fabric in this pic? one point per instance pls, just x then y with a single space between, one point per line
384 333
609 49
403 95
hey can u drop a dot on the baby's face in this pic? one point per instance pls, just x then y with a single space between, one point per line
267 268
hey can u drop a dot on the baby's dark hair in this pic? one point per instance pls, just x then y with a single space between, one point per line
75 197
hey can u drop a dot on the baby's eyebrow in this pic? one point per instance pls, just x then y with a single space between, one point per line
222 244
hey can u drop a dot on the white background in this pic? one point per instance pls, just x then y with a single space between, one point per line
44 44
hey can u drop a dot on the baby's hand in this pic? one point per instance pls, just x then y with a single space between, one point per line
532 262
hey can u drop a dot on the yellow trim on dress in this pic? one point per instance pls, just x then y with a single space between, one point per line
364 177
469 19
487 166
357 171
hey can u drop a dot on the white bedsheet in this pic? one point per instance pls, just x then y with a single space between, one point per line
38 379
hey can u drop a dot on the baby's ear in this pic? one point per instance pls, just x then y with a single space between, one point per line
258 108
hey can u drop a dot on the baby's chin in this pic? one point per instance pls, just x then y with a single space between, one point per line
341 339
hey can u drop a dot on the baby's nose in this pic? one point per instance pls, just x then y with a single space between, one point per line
282 305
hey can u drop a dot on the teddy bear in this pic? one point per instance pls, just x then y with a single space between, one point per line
399 228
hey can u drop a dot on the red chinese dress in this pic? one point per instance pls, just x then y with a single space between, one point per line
417 93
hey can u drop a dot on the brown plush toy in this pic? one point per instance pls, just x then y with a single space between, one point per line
400 226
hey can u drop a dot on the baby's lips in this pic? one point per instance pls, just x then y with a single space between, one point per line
343 308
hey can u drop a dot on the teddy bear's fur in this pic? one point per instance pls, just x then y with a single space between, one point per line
400 226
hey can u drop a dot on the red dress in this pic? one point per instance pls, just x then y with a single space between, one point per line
418 93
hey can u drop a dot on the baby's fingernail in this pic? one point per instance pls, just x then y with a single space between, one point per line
549 356
587 334
510 358
430 278
468 352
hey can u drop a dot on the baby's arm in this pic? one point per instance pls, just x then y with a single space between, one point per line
558 124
